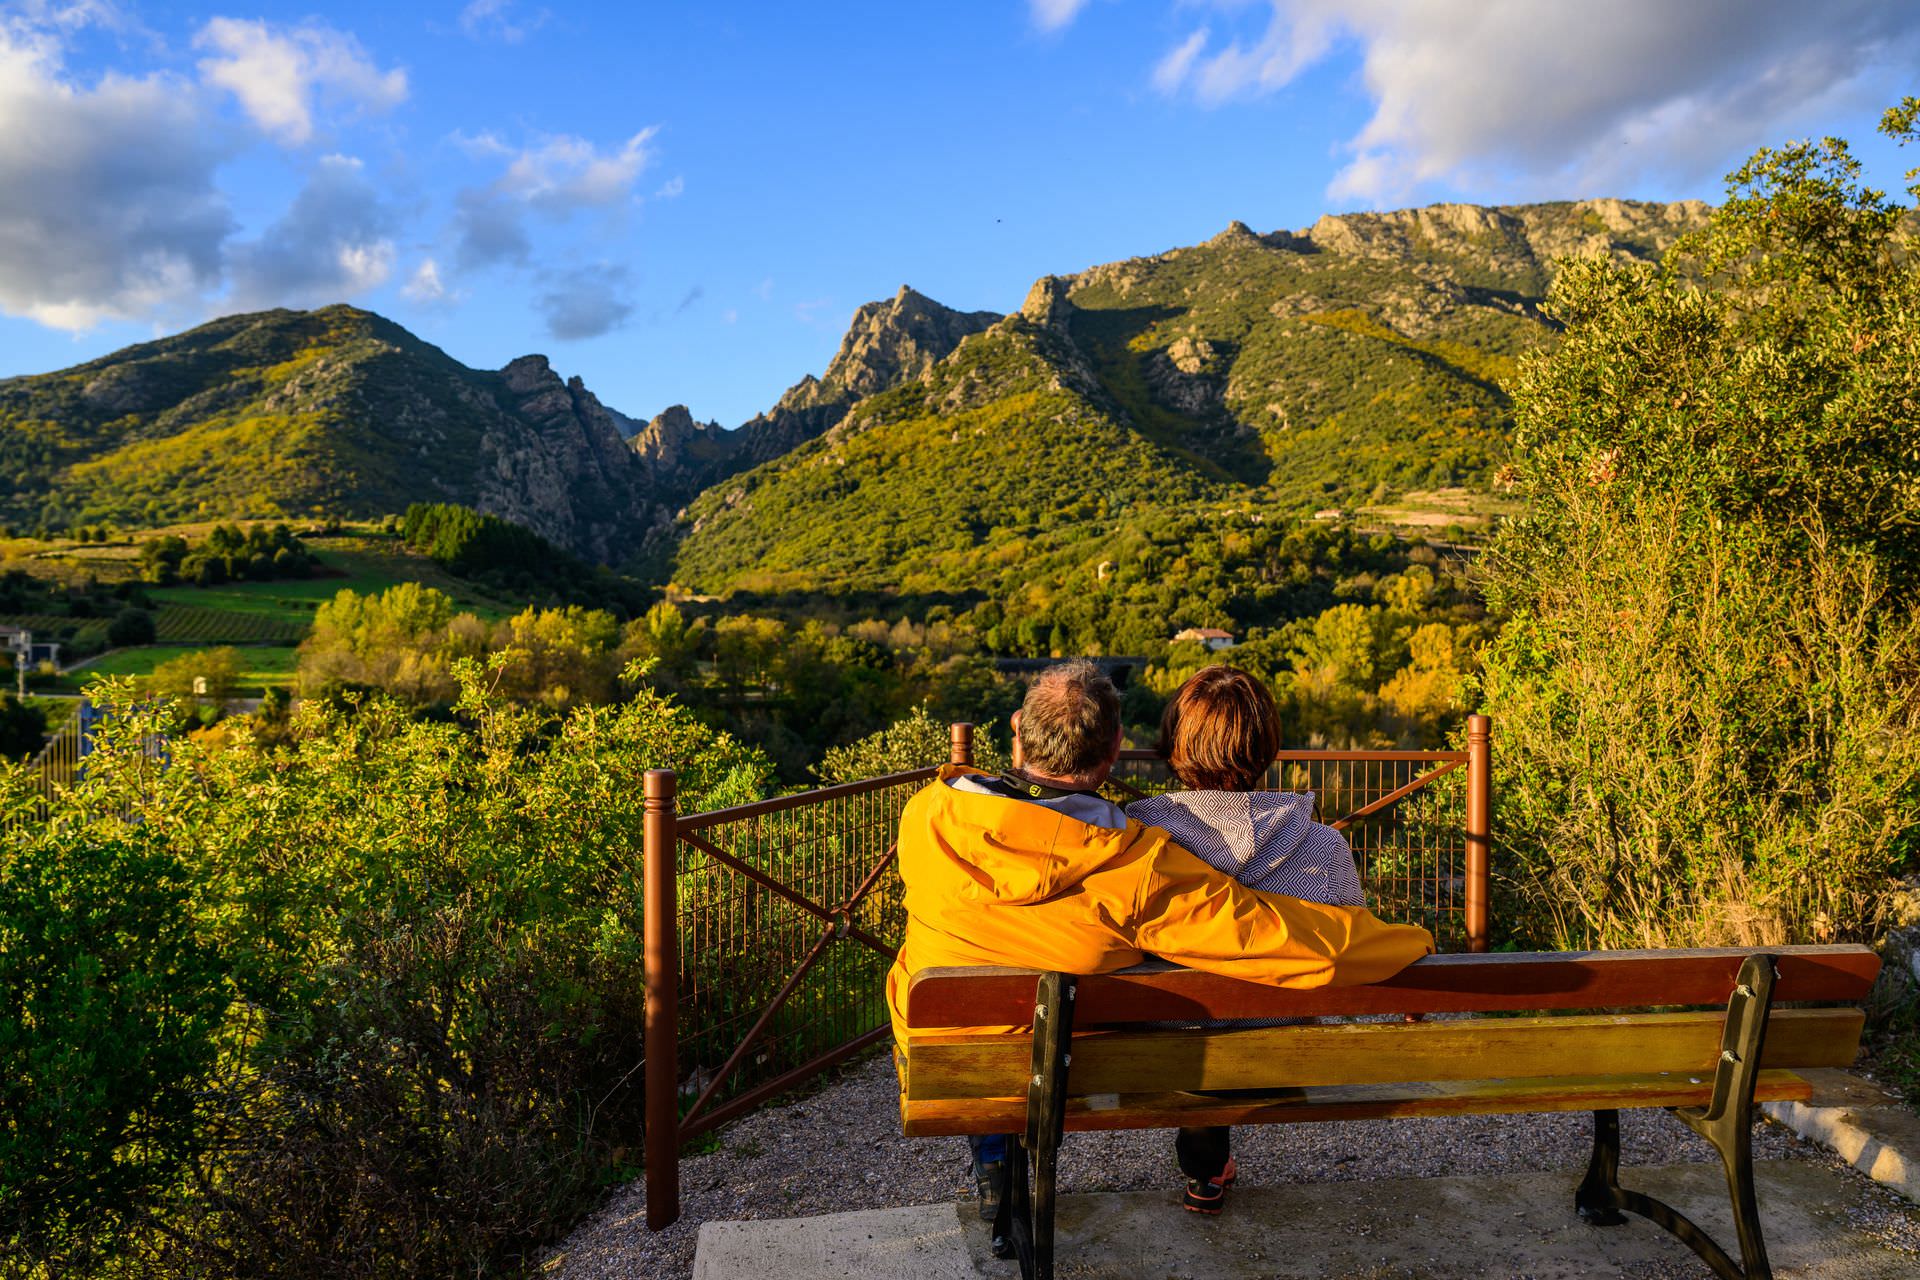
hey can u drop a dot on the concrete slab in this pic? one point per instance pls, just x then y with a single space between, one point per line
922 1241
1821 1225
1868 1127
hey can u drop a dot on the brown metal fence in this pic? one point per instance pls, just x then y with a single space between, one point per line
770 927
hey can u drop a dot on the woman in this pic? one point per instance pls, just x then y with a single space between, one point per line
1218 735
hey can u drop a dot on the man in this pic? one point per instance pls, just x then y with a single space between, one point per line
1036 870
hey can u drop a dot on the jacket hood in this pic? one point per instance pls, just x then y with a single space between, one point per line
1251 831
1006 850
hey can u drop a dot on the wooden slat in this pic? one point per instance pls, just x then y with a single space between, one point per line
1516 981
945 1118
993 1066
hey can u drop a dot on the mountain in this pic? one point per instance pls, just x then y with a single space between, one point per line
1344 364
334 411
887 343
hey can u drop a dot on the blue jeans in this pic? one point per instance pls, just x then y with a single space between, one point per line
988 1148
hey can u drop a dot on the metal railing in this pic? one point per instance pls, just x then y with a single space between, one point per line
770 926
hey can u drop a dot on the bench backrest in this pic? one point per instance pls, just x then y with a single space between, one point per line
1112 1053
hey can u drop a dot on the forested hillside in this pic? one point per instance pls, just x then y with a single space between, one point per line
1346 365
328 412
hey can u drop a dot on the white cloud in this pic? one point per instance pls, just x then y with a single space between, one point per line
497 20
1172 69
585 302
425 285
556 178
1052 15
334 242
278 74
672 188
1469 93
108 207
565 173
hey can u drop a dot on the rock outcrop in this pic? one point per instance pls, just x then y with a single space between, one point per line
887 344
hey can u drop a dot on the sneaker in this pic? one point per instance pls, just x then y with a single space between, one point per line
1209 1195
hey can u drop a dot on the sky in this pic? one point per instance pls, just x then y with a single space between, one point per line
684 203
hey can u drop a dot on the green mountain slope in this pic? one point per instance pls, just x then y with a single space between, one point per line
1005 446
336 411
1284 373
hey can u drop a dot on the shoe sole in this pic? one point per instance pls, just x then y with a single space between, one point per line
1210 1207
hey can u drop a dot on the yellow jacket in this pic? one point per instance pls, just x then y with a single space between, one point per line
998 881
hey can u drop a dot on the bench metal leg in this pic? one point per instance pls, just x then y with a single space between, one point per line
1028 1206
1726 1122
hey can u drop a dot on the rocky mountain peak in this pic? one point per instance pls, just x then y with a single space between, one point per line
1047 304
531 374
1237 233
888 343
1507 235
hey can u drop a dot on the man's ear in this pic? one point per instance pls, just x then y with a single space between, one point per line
1015 722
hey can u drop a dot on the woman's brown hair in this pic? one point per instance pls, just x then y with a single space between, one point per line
1220 731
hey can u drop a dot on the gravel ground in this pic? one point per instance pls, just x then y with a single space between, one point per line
840 1148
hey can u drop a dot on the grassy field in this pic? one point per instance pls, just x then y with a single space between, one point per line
1439 509
261 666
366 563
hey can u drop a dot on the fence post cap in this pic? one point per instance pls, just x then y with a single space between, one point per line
660 782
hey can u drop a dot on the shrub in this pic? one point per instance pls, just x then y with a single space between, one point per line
130 627
915 742
110 1002
1708 695
434 936
206 673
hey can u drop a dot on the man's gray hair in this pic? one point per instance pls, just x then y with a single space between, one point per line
1070 720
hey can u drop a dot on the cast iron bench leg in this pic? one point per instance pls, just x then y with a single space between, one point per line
1031 1208
1726 1122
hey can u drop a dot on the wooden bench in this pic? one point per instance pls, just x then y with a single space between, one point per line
1604 1031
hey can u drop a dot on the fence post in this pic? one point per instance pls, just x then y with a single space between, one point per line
962 737
663 1001
1479 827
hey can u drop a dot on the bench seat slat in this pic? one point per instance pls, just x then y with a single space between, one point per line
1521 981
950 1117
991 1066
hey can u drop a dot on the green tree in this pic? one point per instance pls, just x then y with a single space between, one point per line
130 627
23 727
204 673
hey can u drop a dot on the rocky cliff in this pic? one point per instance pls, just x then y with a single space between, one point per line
888 343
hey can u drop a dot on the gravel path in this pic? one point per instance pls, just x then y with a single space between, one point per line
840 1148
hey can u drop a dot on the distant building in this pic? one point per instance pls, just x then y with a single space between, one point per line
27 651
1212 637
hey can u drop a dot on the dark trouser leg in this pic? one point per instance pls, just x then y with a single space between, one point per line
1203 1152
988 1147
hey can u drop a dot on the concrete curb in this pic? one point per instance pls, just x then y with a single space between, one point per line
1869 1128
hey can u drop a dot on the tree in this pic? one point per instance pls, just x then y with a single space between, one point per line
130 627
23 727
204 673
1709 690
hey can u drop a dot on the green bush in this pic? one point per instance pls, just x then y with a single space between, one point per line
1708 694
110 1003
131 627
434 936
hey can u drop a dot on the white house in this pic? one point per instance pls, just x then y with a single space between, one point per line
1212 637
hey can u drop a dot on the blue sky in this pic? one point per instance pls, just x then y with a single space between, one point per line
684 202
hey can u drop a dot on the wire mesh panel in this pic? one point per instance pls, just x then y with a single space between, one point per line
789 913
1408 835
